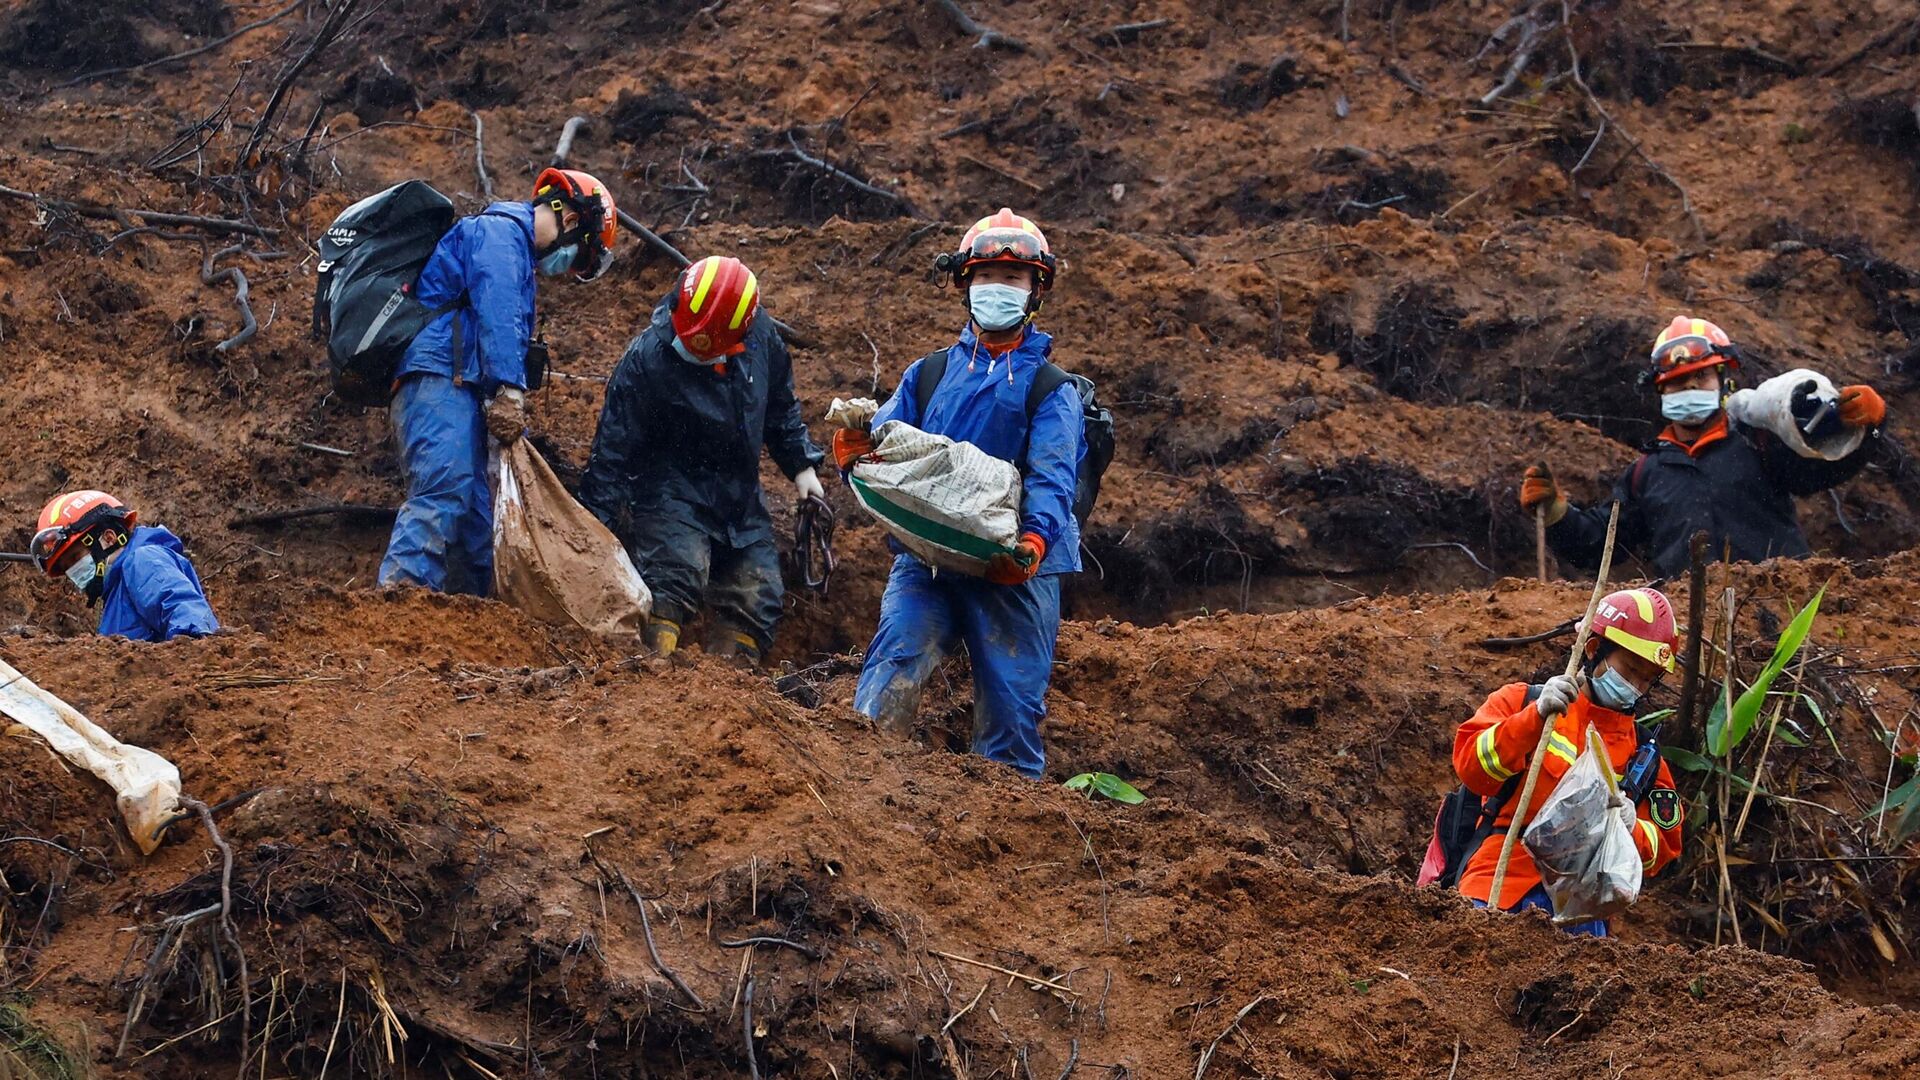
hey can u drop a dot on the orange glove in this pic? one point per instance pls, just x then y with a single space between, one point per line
1862 406
849 446
1019 567
1538 489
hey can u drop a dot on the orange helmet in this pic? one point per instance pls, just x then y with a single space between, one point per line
571 189
1004 237
1639 621
715 305
80 522
1687 345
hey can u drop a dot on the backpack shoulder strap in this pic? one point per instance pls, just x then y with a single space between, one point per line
1045 381
1639 470
933 368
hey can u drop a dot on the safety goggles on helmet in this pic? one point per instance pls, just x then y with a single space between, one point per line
98 532
1683 356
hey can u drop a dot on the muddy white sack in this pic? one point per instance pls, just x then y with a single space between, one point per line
145 785
951 504
1769 407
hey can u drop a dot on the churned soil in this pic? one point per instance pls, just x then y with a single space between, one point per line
1337 303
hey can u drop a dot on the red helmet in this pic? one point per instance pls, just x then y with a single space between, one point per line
715 305
1004 237
571 189
89 522
1639 621
1689 344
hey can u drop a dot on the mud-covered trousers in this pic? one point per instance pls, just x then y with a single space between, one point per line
443 538
688 569
1009 633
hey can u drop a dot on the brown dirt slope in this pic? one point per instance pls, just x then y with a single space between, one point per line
1337 304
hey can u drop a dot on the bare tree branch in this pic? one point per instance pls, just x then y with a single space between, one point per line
480 157
121 213
322 38
208 47
563 149
234 274
839 174
985 38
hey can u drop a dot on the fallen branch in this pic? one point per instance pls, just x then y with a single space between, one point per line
1562 630
563 149
984 38
646 928
1206 1057
5 840
1032 981
208 47
746 1028
1607 120
240 291
1073 1059
329 30
838 173
743 943
121 213
275 517
1533 36
1120 34
480 157
1462 548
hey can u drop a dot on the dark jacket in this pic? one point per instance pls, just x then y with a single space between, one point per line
152 592
684 439
487 258
1735 482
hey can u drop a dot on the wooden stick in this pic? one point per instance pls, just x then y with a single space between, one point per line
330 30
1696 619
480 158
120 213
1518 822
985 37
1540 538
1031 980
563 149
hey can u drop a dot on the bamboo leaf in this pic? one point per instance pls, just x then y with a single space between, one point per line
1717 724
1746 710
1106 784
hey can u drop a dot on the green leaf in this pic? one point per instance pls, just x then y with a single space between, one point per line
1747 709
1897 797
1106 784
1717 724
1655 719
1688 761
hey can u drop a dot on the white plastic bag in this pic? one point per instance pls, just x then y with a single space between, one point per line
951 504
145 785
1769 407
553 559
1585 852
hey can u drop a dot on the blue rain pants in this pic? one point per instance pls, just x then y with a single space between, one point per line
1536 899
1009 633
443 539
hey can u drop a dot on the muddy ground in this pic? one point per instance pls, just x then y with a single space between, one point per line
1337 304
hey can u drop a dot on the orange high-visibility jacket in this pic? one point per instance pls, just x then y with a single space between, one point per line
1497 743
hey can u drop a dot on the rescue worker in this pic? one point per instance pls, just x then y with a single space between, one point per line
1007 621
1630 650
139 574
1706 470
675 466
465 374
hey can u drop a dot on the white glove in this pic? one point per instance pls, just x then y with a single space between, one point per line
1629 817
1557 694
806 484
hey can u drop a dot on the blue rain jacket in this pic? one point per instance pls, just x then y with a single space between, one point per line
152 592
982 399
489 259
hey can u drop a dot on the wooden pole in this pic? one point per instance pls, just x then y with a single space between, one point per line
1696 625
1540 538
1518 822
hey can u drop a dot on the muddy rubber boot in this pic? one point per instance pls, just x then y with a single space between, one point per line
662 636
739 646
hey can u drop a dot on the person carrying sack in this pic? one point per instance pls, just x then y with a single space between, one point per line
1009 619
465 374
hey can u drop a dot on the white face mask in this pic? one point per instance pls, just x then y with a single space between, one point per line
997 307
82 573
1612 690
1690 406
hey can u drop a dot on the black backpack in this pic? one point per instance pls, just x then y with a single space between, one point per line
1098 422
363 302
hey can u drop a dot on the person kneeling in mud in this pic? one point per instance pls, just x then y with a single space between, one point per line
1630 649
139 574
